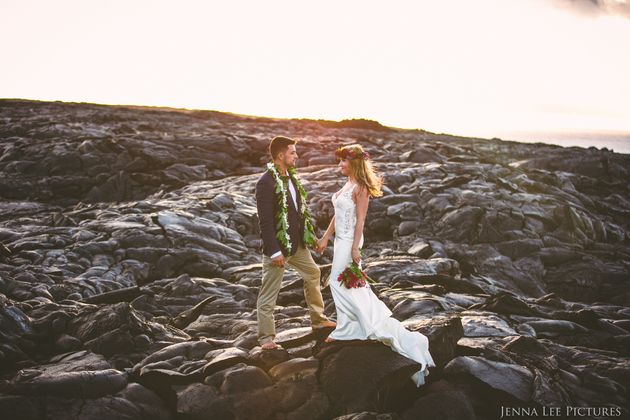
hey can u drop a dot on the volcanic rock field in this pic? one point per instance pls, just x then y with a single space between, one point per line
130 263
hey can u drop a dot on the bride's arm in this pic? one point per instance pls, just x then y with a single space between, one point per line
362 198
330 230
321 244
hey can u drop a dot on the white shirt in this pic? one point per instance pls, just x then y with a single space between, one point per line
294 197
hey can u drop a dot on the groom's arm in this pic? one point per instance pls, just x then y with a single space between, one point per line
265 203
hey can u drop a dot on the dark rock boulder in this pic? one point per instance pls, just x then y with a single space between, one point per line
197 400
351 387
16 332
517 381
443 332
245 379
85 384
132 402
445 405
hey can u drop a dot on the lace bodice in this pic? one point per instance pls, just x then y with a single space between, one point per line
345 213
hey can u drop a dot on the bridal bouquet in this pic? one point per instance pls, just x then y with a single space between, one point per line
354 277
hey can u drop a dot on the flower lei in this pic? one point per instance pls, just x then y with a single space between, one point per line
282 217
354 277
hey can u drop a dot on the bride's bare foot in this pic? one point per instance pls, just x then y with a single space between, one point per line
327 324
329 340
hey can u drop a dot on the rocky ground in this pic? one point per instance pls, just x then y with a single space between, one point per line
130 266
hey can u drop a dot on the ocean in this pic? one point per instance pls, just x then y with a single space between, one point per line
618 142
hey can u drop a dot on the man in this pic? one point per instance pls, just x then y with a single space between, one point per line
284 243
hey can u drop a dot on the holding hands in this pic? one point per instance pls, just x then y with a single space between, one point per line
278 261
321 244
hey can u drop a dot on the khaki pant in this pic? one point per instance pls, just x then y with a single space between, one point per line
303 263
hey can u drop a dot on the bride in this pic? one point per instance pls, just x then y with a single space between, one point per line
360 314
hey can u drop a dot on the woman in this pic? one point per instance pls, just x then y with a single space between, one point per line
360 314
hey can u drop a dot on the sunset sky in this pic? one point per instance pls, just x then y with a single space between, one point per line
483 68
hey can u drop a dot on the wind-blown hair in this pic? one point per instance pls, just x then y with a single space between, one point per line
361 169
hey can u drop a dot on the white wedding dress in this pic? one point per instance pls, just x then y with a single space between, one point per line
360 314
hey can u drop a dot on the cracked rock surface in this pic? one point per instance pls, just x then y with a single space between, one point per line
130 265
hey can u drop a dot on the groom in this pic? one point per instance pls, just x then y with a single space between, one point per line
278 198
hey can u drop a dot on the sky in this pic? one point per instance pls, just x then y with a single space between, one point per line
468 67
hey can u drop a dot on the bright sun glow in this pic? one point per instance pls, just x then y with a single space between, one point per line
466 67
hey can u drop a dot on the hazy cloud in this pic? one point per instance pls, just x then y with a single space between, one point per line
614 7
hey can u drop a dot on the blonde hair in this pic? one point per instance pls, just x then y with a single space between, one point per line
361 169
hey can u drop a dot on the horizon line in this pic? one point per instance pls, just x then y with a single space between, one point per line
514 131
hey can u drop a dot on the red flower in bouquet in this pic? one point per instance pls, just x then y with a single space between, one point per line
354 277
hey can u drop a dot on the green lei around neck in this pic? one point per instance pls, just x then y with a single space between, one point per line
282 217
